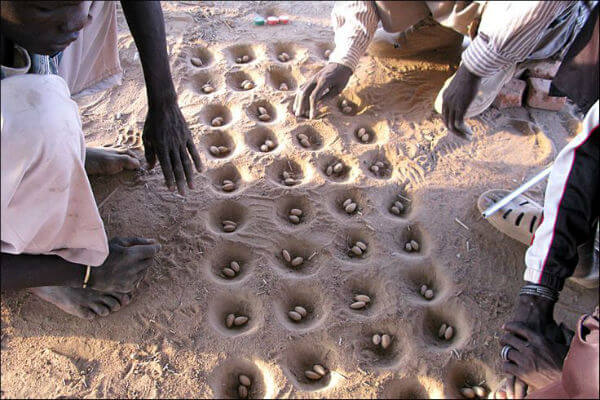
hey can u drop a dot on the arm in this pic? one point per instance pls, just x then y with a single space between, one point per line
166 135
25 271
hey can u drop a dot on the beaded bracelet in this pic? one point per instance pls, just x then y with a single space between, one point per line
540 291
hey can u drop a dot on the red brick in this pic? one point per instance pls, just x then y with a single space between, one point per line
544 69
511 95
537 95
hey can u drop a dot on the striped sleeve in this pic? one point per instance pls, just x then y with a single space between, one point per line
354 24
508 33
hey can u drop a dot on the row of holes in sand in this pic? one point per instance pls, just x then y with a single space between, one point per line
225 378
254 52
257 136
274 77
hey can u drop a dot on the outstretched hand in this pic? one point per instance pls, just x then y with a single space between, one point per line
167 137
329 81
457 98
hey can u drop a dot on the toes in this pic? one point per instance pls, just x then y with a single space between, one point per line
129 161
123 298
111 302
84 313
99 308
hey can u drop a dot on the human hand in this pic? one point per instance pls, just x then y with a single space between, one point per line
329 81
510 387
167 137
537 314
456 100
533 358
125 266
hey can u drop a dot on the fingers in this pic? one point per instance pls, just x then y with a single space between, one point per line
146 251
520 389
522 330
134 241
194 153
187 168
165 163
179 174
149 153
303 99
513 341
510 386
131 161
314 97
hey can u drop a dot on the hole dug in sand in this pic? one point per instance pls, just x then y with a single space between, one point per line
376 164
226 381
228 213
226 179
303 356
348 202
296 257
352 241
411 241
363 284
239 305
307 138
301 306
281 78
201 57
284 52
324 50
396 203
206 82
240 54
224 255
285 172
379 345
426 283
260 139
469 374
364 133
241 81
450 315
218 144
405 388
262 111
287 210
215 115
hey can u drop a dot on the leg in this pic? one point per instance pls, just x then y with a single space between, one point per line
571 207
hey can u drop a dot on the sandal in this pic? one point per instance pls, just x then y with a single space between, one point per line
518 219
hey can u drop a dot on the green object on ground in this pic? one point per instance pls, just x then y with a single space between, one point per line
259 21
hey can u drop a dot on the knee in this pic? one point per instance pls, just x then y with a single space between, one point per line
39 118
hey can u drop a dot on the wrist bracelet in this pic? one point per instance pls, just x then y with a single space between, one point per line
86 278
540 291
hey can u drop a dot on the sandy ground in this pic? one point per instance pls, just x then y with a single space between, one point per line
172 340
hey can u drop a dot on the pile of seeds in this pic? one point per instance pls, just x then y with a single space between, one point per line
218 150
207 88
235 320
446 332
346 107
317 372
363 135
397 208
295 215
335 168
411 246
304 141
358 249
293 261
228 185
247 84
349 206
383 340
217 121
229 226
232 270
243 388
297 313
263 115
267 146
378 168
284 57
360 301
474 392
196 61
289 178
426 292
327 53
243 59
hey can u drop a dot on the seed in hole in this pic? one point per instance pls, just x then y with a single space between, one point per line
312 375
228 272
413 245
234 265
303 139
294 219
376 339
242 392
480 391
428 294
243 59
319 369
468 393
247 84
358 249
228 185
449 333
284 86
357 305
297 261
301 310
397 208
288 178
336 167
229 226
386 340
196 62
327 53
229 320
240 320
264 117
207 88
294 316
295 215
283 57
363 135
286 255
245 380
217 121
362 297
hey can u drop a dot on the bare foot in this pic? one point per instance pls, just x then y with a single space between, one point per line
109 162
82 303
